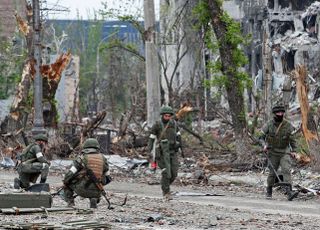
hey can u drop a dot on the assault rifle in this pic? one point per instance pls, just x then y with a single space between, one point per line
99 185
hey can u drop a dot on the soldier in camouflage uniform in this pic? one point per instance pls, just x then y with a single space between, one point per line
32 163
279 144
76 179
165 136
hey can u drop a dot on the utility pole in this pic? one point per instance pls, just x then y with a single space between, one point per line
152 64
38 124
267 71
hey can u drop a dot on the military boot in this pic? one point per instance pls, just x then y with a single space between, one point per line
167 196
43 180
71 203
269 192
16 183
93 203
291 194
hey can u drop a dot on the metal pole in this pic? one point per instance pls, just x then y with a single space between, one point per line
95 79
38 124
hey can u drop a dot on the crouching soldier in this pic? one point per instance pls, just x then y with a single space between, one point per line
32 163
86 173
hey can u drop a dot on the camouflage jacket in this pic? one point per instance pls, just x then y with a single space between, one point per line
162 131
33 153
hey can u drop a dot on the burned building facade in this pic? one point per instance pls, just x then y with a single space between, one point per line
285 33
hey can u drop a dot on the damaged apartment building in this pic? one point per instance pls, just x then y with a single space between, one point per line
285 34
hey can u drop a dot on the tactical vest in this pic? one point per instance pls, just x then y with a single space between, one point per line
170 132
95 163
279 138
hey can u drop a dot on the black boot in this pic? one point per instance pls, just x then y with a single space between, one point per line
43 180
269 192
93 202
16 183
291 194
71 203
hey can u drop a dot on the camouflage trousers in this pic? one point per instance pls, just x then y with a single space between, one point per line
81 187
30 172
169 164
283 161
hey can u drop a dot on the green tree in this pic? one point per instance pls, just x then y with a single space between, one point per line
229 41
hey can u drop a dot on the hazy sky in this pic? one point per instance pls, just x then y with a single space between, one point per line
86 8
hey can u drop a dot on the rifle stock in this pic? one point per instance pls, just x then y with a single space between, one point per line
153 153
98 184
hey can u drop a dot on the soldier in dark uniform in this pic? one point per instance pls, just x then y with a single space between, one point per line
165 139
280 145
76 179
32 163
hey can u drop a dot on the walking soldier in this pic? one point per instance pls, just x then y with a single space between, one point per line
279 145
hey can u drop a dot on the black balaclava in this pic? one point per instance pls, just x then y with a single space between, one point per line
278 118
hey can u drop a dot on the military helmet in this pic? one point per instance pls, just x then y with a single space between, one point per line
41 137
91 143
166 110
278 108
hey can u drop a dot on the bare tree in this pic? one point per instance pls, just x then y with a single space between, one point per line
20 108
308 125
180 51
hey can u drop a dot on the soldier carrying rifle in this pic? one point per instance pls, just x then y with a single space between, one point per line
279 145
164 143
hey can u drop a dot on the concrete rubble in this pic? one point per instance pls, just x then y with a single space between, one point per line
285 34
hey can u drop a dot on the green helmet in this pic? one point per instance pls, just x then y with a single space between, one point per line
91 143
41 137
278 108
166 110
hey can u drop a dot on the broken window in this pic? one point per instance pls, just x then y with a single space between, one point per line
288 64
279 4
280 28
309 23
296 5
301 5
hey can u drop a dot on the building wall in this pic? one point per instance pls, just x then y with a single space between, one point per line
67 94
234 9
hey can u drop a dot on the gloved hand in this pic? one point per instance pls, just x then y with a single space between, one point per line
153 166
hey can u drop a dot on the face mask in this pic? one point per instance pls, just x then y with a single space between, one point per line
278 118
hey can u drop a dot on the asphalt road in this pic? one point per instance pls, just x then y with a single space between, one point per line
246 203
